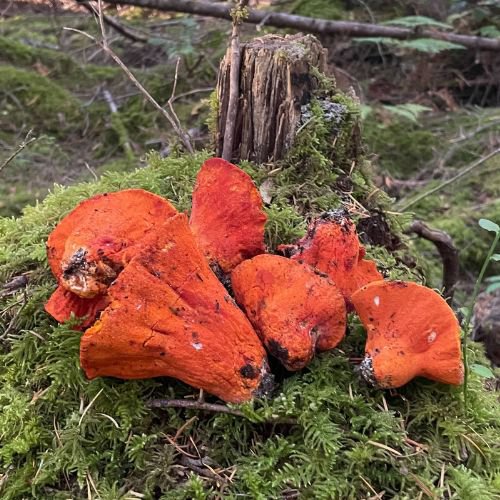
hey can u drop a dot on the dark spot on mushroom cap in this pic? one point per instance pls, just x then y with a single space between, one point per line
277 350
249 371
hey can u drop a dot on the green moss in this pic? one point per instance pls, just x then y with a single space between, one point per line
402 147
36 102
346 435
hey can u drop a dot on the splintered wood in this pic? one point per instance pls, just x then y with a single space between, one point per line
277 78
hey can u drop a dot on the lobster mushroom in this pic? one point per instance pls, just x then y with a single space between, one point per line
170 316
227 216
91 245
331 245
411 332
295 310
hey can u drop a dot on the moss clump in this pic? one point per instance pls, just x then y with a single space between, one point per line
62 434
22 55
34 101
402 147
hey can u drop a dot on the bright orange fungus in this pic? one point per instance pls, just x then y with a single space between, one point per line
412 332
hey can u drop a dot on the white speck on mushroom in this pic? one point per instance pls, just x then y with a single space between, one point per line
138 306
197 345
376 300
432 337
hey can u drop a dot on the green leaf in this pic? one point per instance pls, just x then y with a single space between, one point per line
489 225
494 286
496 257
492 279
482 371
414 21
429 45
489 31
409 111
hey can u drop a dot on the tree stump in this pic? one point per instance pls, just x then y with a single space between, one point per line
278 76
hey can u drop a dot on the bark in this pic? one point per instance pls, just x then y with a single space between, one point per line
234 85
275 82
312 25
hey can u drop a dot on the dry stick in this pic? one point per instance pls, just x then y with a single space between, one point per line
465 171
447 251
104 45
210 407
234 80
313 25
26 142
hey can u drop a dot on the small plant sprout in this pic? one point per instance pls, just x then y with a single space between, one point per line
480 370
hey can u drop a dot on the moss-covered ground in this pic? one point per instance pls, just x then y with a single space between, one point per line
65 437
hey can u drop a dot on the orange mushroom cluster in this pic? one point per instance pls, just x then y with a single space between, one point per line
148 287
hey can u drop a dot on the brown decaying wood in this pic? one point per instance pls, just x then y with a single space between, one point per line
234 81
313 25
275 81
447 251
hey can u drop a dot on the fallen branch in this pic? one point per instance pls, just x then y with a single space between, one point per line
239 14
213 408
313 25
447 251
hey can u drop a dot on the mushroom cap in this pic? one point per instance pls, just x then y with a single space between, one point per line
295 310
90 245
85 250
331 245
411 331
227 216
170 316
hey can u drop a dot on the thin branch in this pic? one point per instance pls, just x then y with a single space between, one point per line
104 45
117 26
239 13
465 171
192 92
27 141
447 251
212 408
313 25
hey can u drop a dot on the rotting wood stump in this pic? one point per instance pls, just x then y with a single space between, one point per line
278 78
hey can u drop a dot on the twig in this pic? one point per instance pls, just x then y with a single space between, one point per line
238 15
465 171
104 45
447 251
314 25
211 407
27 141
191 92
